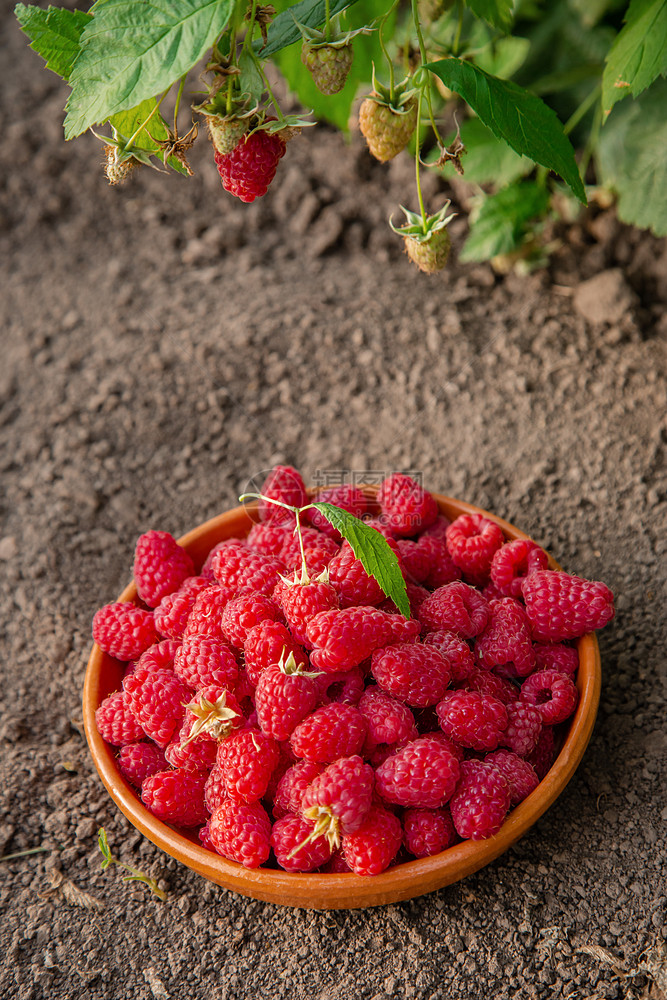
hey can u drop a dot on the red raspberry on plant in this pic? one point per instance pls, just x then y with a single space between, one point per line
176 796
424 773
412 672
373 847
343 639
513 561
123 630
472 719
406 506
456 607
241 832
338 800
506 640
472 540
428 831
285 694
331 731
247 171
160 566
481 801
552 693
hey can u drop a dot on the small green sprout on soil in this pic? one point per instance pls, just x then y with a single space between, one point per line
135 874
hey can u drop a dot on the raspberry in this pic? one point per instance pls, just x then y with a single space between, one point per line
243 613
228 543
160 656
416 596
415 560
346 687
337 865
518 773
157 699
204 619
472 719
201 661
442 568
248 170
191 755
489 683
554 656
380 524
176 796
160 566
204 838
481 801
338 800
124 631
406 505
472 540
293 847
373 847
247 759
283 697
560 606
427 831
345 638
215 790
424 773
523 728
387 130
552 693
389 721
212 714
438 529
301 602
173 611
243 569
269 536
455 650
414 673
328 65
265 644
115 722
430 253
137 761
352 583
241 832
506 639
456 607
513 561
291 550
292 786
544 753
332 731
347 497
283 483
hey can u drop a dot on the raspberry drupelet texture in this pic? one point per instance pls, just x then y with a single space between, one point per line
157 699
457 652
428 831
248 170
424 773
283 483
283 697
124 631
560 606
416 674
267 643
556 656
293 847
506 641
346 687
405 505
442 568
160 566
373 847
472 540
176 796
241 832
243 613
202 660
204 619
137 761
519 774
513 561
553 694
330 732
173 611
338 800
160 656
115 722
247 759
292 786
481 800
472 720
389 720
524 726
239 570
456 607
301 602
345 638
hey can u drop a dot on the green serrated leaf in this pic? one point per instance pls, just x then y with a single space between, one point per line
495 12
632 158
504 57
284 29
127 122
131 51
523 120
250 80
639 54
371 548
500 223
54 34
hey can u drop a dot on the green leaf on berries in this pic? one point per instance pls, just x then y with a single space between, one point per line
495 12
523 120
501 221
639 53
284 29
132 51
127 122
54 34
251 83
371 548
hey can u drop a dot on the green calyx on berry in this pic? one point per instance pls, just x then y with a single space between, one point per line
427 242
398 98
326 825
226 125
215 718
289 666
328 55
388 118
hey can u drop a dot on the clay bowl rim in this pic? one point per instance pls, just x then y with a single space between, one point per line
344 891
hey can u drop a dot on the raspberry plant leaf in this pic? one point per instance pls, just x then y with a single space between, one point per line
495 12
501 221
284 29
523 120
127 122
639 53
371 548
132 51
55 34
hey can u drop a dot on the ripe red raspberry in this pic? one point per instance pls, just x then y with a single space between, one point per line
265 644
338 800
243 569
227 543
519 774
472 540
487 682
352 583
544 753
554 656
157 699
380 524
248 170
560 606
441 567
456 607
173 611
552 693
243 613
115 722
438 529
137 761
204 619
292 786
176 796
213 713
513 561
196 754
412 672
241 832
455 650
424 773
291 550
506 640
201 661
347 497
160 566
293 847
344 639
427 831
472 719
373 847
330 732
523 728
481 801
318 555
283 483
346 687
160 656
269 536
415 560
337 865
215 790
247 759
407 507
283 697
301 602
124 631
389 721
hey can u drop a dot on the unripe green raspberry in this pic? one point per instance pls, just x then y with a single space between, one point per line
429 255
328 65
117 170
386 130
226 133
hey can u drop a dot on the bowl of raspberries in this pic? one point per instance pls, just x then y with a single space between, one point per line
342 698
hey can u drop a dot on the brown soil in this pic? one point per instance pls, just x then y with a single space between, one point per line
161 344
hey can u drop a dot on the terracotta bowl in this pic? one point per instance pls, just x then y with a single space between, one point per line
347 891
